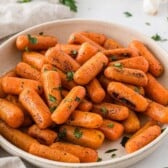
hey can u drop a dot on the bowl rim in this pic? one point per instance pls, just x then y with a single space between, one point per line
105 162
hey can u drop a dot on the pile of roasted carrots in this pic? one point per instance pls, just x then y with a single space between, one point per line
62 100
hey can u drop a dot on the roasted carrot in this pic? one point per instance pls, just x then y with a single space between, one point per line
156 91
126 75
90 69
36 107
85 52
144 138
52 84
111 111
85 105
96 37
85 119
44 136
155 66
157 112
112 44
134 63
35 42
91 138
34 59
138 89
68 105
61 60
14 85
85 154
78 38
112 130
16 137
132 123
27 71
95 91
52 154
127 96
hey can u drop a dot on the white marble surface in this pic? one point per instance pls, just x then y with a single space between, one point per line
112 11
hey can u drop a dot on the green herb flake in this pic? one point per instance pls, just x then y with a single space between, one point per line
41 33
77 99
62 133
52 98
99 159
58 88
24 1
110 125
128 14
77 133
54 69
26 49
162 130
111 150
118 65
124 140
113 58
157 37
32 40
52 108
69 75
104 110
136 89
70 3
74 53
67 100
113 155
147 23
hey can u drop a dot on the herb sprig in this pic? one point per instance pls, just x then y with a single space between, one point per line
23 1
70 3
128 14
157 37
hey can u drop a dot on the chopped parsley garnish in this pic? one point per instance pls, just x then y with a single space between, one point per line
41 33
52 98
104 110
147 23
69 75
127 14
124 140
111 150
26 49
62 134
67 100
32 40
58 88
113 58
52 108
118 65
99 159
23 1
74 53
77 133
157 37
77 99
110 125
70 3
137 89
113 155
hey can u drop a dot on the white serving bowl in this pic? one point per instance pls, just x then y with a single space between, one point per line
9 56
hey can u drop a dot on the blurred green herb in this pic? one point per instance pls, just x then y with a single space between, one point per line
118 65
32 40
113 155
52 109
99 159
104 110
147 23
23 1
77 133
70 3
157 37
111 150
52 98
127 14
110 125
69 75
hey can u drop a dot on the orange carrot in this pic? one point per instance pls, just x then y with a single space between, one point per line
85 105
112 44
138 89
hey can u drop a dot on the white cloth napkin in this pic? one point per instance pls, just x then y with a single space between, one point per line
15 16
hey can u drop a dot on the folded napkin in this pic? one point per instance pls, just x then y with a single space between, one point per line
15 17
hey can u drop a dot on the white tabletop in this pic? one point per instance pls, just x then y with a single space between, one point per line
112 11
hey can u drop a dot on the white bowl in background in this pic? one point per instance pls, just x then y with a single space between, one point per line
9 56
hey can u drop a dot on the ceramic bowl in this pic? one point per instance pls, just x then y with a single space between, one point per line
9 56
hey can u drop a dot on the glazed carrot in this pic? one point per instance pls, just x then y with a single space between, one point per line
157 112
35 42
85 52
112 44
156 91
10 73
14 85
52 154
132 123
138 89
95 91
61 60
85 119
122 52
91 138
34 59
36 107
134 63
66 79
85 105
111 111
11 114
70 49
90 69
155 67
84 154
44 136
96 37
16 137
127 96
112 130
104 81
78 38
126 75
144 138
27 71
68 105
52 84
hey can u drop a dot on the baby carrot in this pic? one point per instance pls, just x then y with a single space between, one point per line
68 105
85 105
127 75
35 42
85 154
91 138
112 44
155 67
36 107
127 96
138 89
95 91
90 69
